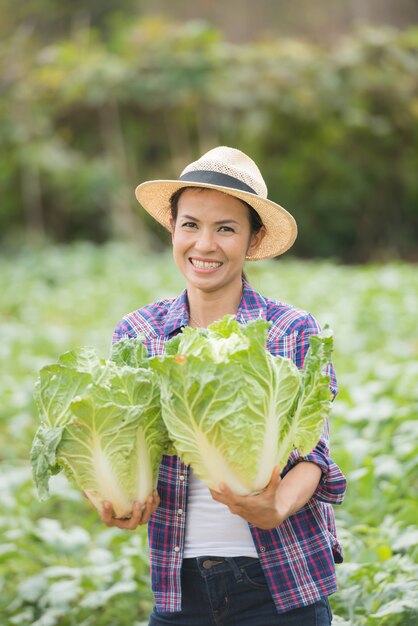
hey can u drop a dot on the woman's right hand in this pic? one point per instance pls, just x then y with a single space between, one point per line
140 513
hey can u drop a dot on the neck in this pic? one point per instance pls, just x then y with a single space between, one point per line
207 307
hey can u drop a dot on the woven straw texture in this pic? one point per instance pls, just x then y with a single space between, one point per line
281 229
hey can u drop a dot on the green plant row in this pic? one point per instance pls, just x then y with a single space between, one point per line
60 566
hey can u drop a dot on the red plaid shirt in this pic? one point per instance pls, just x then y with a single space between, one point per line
298 556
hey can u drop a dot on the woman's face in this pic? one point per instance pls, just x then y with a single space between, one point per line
211 238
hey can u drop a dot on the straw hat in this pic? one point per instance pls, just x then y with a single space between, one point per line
233 172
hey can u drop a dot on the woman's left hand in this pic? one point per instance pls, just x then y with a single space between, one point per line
261 510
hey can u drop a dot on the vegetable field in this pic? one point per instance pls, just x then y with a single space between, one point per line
59 566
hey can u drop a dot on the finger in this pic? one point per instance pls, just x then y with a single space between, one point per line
221 497
148 509
137 510
136 517
151 505
275 478
128 523
227 493
222 491
157 501
107 513
226 496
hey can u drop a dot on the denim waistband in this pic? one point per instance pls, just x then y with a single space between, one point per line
208 565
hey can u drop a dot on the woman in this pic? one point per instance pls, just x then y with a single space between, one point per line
216 557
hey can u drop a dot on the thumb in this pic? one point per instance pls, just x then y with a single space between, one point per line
275 478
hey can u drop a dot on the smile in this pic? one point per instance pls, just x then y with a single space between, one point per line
205 265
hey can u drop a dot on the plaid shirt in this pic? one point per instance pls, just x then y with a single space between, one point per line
298 556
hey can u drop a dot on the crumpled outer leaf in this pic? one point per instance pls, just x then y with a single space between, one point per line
232 409
100 422
55 389
314 402
131 352
43 457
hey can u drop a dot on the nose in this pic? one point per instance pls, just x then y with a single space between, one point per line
206 240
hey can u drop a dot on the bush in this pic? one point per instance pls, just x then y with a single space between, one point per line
334 130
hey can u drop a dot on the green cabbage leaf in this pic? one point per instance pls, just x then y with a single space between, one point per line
234 411
101 423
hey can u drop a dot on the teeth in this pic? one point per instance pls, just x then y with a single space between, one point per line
205 264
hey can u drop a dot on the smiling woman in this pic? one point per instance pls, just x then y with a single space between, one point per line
255 222
211 239
216 556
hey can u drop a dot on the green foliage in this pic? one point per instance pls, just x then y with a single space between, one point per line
66 569
334 129
58 562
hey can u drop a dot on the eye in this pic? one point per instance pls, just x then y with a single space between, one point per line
189 225
226 229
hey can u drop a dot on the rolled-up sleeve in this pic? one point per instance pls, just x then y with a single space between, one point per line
123 331
332 486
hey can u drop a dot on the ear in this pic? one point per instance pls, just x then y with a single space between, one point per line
256 240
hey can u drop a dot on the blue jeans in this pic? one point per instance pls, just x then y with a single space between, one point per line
220 591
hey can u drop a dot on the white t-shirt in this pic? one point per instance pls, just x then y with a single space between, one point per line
211 529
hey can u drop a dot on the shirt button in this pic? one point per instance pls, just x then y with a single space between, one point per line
176 549
180 511
182 477
262 549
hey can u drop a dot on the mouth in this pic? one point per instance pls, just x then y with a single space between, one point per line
201 264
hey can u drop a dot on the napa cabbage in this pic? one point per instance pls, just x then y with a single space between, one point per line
101 424
234 411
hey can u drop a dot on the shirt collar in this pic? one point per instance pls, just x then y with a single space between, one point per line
177 315
252 306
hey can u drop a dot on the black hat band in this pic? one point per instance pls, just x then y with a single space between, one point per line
208 177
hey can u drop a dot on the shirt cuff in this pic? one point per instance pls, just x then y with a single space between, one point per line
332 485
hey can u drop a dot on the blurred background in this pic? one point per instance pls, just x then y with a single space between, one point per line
97 96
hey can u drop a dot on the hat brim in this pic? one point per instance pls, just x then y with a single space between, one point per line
281 229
